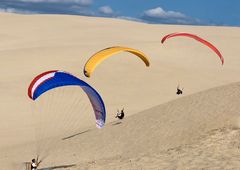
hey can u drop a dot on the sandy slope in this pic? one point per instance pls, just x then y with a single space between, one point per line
197 131
194 132
36 43
218 149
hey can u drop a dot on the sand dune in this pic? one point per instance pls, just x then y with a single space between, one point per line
217 149
157 120
197 131
193 132
197 126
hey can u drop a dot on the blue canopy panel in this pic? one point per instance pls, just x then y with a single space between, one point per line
53 79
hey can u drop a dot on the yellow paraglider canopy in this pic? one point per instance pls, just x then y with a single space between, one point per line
98 57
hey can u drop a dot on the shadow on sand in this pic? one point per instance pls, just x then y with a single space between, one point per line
58 167
117 123
68 137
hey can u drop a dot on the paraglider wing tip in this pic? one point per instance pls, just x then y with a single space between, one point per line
30 96
163 39
99 124
86 73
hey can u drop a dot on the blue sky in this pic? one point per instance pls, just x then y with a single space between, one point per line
190 12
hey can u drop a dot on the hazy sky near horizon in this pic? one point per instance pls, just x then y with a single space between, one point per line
193 12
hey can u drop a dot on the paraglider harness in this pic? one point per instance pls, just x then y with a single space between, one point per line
120 115
179 91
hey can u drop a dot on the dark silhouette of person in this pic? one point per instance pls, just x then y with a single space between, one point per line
179 91
35 164
120 115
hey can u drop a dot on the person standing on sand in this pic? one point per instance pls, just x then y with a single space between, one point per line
35 164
